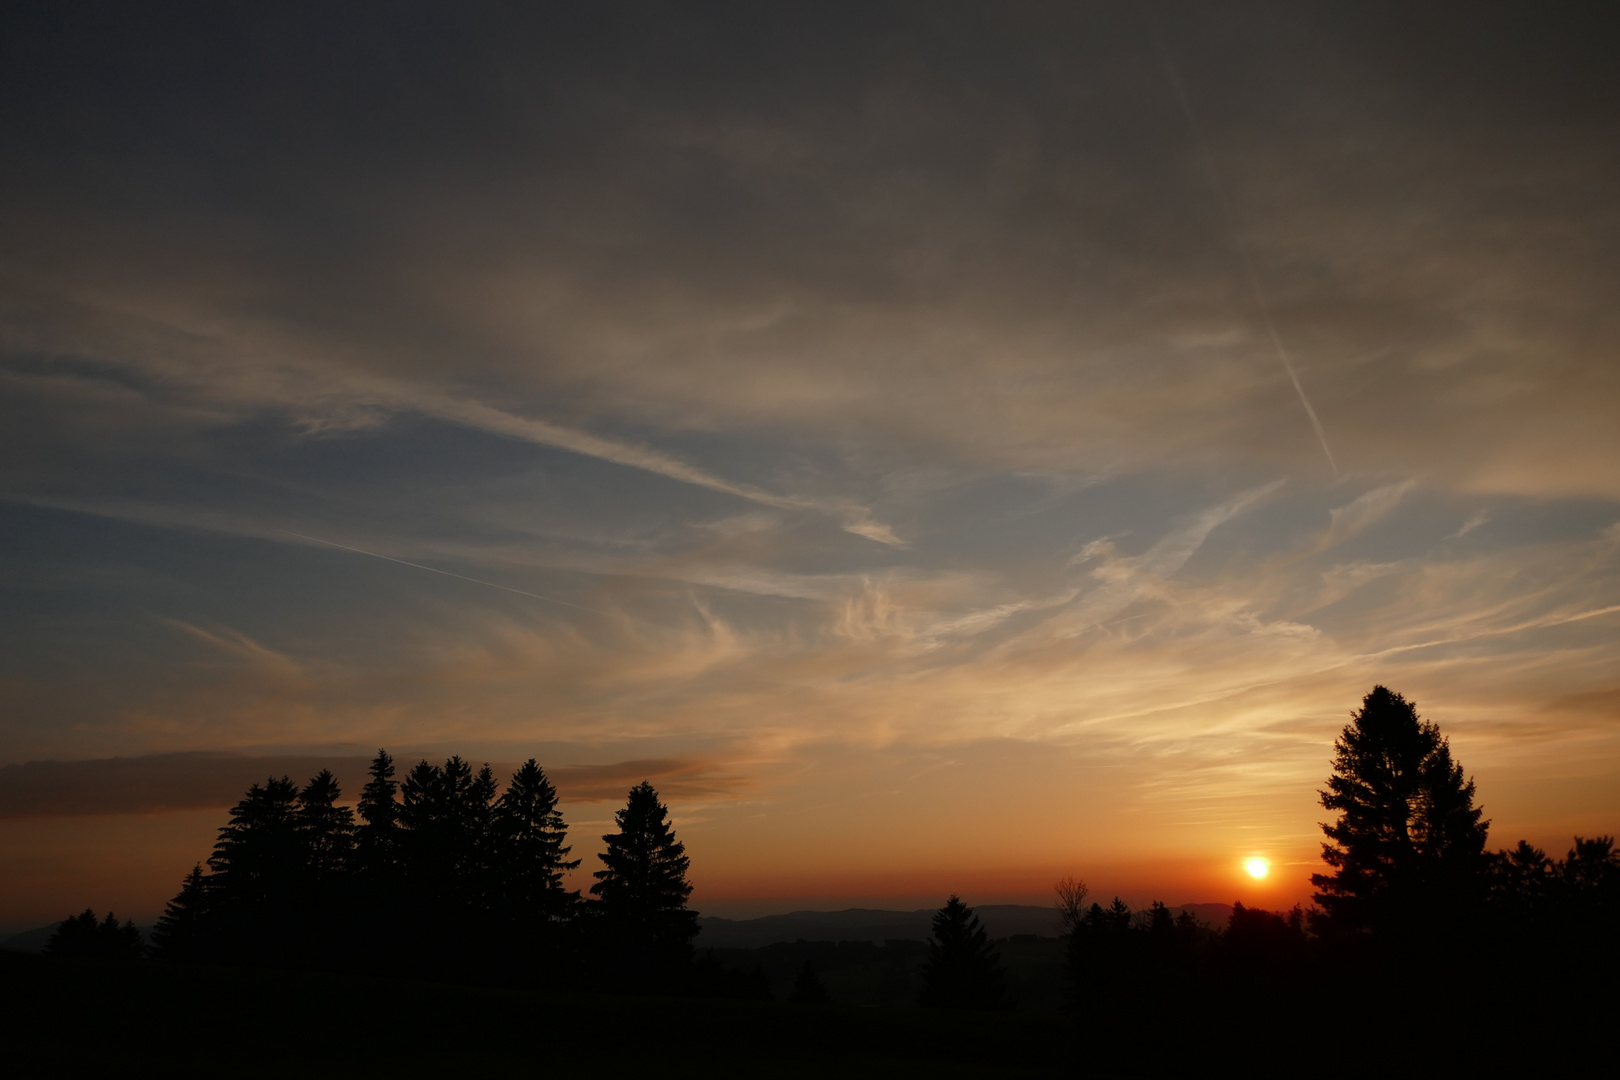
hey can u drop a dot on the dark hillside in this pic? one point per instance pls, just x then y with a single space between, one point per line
890 973
190 1020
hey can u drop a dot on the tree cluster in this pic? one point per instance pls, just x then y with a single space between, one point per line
81 936
442 874
1410 868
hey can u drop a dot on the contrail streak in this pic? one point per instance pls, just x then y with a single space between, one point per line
1261 300
446 573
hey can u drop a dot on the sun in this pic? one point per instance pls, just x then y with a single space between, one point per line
1257 868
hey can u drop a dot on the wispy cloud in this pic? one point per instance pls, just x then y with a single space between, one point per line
1363 512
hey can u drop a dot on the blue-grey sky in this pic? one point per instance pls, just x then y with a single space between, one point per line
889 427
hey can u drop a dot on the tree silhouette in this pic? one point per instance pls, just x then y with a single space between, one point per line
438 877
82 937
1071 903
1409 845
1262 943
443 812
1588 895
182 932
1523 882
258 859
326 829
532 857
377 838
963 970
642 889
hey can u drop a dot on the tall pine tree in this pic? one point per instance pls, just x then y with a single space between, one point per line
376 840
642 889
183 931
1408 848
260 852
327 830
531 857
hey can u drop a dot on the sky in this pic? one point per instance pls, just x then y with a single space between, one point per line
943 447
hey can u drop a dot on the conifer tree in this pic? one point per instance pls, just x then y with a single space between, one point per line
377 838
432 845
446 815
260 851
642 889
1409 844
326 829
963 970
532 857
182 932
481 868
258 869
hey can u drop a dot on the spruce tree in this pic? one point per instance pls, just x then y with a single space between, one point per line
437 841
377 838
481 869
963 970
531 856
1408 847
642 890
260 852
326 829
258 878
447 868
182 932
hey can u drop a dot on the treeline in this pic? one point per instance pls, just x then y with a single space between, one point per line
440 875
447 875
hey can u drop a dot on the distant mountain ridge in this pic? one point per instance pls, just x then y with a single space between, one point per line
873 924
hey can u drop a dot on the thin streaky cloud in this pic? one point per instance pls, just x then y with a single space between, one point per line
1542 623
1256 287
446 573
854 519
239 645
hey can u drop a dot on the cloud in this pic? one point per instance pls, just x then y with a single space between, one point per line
1478 518
155 783
1364 512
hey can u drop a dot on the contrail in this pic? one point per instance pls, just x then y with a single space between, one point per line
446 573
1261 300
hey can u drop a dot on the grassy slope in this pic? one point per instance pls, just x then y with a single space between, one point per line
148 1018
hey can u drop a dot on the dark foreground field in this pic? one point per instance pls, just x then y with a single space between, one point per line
84 1019
144 1018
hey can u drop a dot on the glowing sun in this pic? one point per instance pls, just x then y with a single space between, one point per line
1257 868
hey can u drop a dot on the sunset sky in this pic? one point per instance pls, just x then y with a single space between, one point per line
942 447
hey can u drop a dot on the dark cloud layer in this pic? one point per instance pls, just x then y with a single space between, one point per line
200 780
